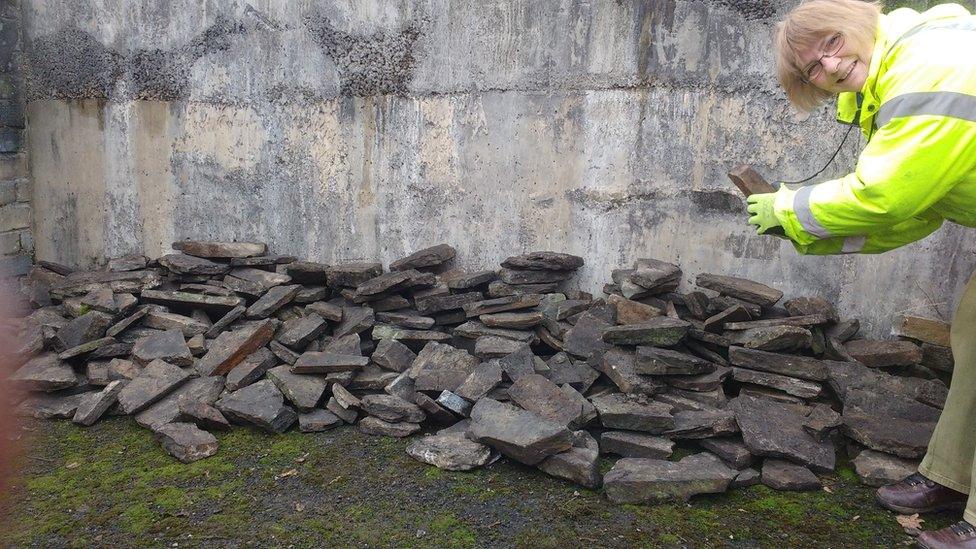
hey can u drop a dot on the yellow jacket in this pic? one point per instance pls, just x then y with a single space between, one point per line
918 112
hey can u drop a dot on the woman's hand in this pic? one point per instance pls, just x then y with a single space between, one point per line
761 213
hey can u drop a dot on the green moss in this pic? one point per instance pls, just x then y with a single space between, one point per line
137 518
847 474
433 473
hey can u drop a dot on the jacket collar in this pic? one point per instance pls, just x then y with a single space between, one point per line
860 107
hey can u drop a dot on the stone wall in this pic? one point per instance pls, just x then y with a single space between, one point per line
348 129
16 245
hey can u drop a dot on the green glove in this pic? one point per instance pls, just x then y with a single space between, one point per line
762 216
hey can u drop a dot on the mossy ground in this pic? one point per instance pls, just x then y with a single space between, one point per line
112 485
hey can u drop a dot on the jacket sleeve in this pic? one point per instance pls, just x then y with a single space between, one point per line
885 239
909 164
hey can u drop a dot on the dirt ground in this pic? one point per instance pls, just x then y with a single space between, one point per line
112 485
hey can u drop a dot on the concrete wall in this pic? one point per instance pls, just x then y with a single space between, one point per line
16 244
347 129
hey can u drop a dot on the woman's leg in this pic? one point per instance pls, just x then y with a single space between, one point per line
949 460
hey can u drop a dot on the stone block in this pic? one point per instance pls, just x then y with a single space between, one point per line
15 216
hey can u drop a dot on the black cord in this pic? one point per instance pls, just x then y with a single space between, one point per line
829 161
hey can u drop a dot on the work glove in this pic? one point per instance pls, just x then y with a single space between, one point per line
761 213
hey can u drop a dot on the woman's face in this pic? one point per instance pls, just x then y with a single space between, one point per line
834 66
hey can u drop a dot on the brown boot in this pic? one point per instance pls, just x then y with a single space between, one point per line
917 494
958 536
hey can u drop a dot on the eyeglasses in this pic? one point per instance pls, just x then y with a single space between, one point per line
831 48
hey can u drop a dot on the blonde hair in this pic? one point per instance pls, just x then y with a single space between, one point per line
809 23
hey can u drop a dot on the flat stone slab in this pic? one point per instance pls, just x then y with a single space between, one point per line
515 321
214 249
701 383
635 445
577 373
586 337
45 372
169 345
699 424
619 365
299 332
732 451
528 276
901 437
562 405
487 347
881 354
617 411
501 304
483 378
741 288
186 442
632 312
438 303
662 331
657 361
790 385
272 300
201 414
655 276
474 329
425 258
410 320
880 469
451 451
544 261
209 303
377 427
224 321
303 391
799 321
50 405
642 480
230 348
775 338
923 330
440 367
517 433
251 369
391 408
182 264
577 465
783 475
788 365
153 383
260 404
318 420
87 327
94 405
808 306
162 320
349 274
393 355
314 362
461 280
167 410
417 337
774 429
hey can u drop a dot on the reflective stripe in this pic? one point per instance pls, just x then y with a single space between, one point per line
801 207
967 25
951 104
853 244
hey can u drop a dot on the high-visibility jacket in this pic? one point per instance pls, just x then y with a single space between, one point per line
918 111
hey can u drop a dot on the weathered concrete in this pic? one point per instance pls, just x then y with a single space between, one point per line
603 129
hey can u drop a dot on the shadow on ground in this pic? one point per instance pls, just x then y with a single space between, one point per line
111 484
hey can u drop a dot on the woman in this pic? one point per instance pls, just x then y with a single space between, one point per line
909 81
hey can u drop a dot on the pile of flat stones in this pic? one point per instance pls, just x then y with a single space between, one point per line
478 365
